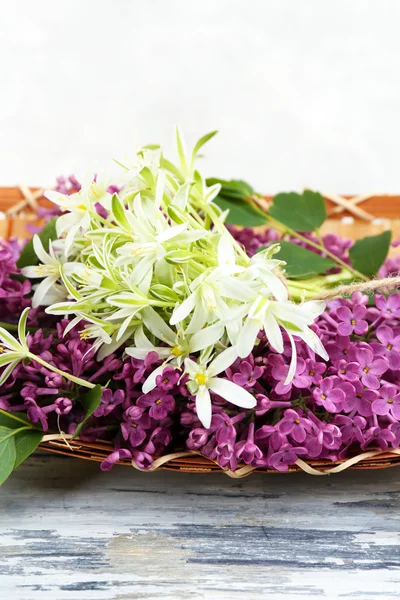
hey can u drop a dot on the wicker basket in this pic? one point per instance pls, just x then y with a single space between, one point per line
349 217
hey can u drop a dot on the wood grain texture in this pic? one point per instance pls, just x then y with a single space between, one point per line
70 532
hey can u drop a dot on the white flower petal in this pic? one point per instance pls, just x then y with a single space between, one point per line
183 310
40 251
157 326
223 361
203 406
293 361
41 292
206 337
150 382
232 392
247 337
273 332
275 285
226 252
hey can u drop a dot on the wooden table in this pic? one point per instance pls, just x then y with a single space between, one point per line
69 531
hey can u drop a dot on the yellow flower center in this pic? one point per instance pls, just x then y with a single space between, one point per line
1 349
158 401
134 425
312 373
366 369
323 396
201 378
297 421
176 351
390 400
389 346
353 321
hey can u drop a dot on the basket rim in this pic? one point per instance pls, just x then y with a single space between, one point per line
196 463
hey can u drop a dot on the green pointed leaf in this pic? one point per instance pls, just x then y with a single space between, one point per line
200 143
28 256
301 212
26 442
240 212
301 262
234 189
90 401
7 453
14 420
118 211
22 327
369 254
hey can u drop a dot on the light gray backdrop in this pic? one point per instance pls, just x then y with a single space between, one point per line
303 93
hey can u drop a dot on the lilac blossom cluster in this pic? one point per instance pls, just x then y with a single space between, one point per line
329 410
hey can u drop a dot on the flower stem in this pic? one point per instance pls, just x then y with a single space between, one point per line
319 247
72 378
9 326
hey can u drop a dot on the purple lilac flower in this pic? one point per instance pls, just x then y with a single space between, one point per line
339 349
315 370
388 402
370 368
247 450
295 425
329 397
168 379
351 429
286 456
352 321
300 380
159 401
348 371
136 422
389 307
360 399
389 345
382 437
224 427
248 375
109 401
114 457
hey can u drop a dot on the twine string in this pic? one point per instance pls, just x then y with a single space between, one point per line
386 283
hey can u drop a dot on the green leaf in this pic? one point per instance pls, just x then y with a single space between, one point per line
301 262
118 211
14 420
7 453
240 212
28 256
301 212
200 143
22 327
90 401
181 152
369 254
234 189
26 442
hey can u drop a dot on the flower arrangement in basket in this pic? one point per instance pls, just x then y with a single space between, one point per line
141 326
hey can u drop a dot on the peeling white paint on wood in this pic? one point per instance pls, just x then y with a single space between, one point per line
70 532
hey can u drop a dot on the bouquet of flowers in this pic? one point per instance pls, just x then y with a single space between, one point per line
142 316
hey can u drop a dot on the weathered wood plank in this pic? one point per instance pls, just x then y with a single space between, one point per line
69 531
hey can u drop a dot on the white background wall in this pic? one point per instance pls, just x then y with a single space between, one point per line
303 92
